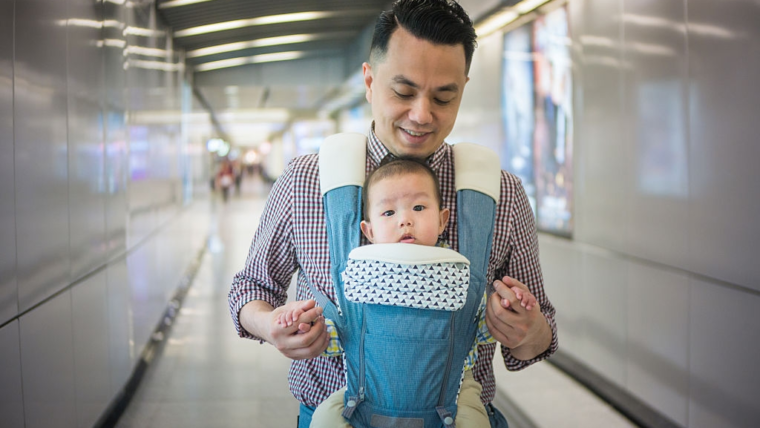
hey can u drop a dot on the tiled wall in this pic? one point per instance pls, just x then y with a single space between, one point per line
658 289
95 230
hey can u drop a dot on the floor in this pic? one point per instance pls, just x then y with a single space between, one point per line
206 376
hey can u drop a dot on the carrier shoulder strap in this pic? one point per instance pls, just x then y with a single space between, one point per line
478 183
342 169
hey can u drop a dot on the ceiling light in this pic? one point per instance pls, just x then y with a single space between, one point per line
145 32
234 62
140 50
526 6
269 41
506 16
261 20
177 3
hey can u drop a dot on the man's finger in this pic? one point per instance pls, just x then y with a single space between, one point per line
511 282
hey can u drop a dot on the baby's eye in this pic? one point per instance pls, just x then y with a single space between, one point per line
388 213
418 207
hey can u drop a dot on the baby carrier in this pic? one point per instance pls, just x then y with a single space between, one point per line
405 339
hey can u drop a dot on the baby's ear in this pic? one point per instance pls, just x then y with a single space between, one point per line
444 219
367 230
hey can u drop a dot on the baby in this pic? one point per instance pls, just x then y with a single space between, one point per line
403 204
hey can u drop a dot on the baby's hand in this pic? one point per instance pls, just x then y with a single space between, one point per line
287 318
527 300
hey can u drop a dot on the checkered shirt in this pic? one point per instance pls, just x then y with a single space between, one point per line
292 237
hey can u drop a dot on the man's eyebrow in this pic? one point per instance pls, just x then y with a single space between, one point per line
451 87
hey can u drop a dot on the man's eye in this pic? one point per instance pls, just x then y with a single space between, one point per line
418 207
403 96
442 102
387 213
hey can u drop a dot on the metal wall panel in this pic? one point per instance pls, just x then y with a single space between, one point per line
8 290
658 339
85 137
480 114
91 348
41 161
47 350
724 65
604 303
563 269
11 399
114 118
725 381
655 85
121 344
603 166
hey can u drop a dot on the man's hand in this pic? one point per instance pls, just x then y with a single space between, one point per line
525 332
306 338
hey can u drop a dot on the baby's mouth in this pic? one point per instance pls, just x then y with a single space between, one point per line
407 239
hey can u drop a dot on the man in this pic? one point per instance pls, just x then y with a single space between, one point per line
420 56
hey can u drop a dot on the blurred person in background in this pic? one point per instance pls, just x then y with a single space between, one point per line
225 178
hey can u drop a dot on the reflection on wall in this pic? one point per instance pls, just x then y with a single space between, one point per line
518 109
537 92
661 161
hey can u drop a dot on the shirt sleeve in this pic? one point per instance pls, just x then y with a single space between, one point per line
271 261
523 265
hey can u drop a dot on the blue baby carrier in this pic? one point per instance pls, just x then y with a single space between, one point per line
404 353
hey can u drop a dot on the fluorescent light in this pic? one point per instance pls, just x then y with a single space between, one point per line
145 32
155 65
76 22
139 50
177 3
506 16
262 20
526 6
113 43
234 62
495 22
269 41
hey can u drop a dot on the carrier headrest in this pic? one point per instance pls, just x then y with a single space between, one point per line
477 168
407 254
342 161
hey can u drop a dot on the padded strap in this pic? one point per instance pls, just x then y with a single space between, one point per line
342 161
477 168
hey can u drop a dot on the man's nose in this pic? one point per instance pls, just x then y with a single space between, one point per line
420 112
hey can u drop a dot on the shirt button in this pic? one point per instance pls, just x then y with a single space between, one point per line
351 403
448 420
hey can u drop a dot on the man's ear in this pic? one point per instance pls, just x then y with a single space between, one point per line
444 217
367 230
367 70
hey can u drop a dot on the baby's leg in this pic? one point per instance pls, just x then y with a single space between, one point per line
470 410
328 414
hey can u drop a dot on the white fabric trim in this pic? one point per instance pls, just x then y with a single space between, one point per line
342 161
477 167
407 254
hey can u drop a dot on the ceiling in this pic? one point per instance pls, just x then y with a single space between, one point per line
253 93
340 24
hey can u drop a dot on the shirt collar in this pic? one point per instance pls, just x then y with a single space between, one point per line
378 152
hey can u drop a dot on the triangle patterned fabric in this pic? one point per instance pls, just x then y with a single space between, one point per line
441 286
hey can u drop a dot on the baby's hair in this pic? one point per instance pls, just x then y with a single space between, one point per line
399 166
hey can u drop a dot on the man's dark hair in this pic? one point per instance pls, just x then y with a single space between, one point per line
441 22
399 166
